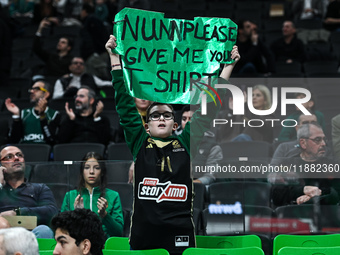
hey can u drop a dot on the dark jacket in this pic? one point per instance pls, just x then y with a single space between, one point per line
85 130
288 193
255 54
33 199
333 11
295 50
55 65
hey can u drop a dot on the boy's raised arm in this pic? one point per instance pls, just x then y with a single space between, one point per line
125 105
114 58
226 72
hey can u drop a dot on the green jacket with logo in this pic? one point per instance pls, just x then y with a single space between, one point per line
113 221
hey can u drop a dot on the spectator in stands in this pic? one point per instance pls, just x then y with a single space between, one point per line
288 132
70 10
288 48
336 136
18 241
21 8
68 85
256 57
92 194
38 124
137 4
4 223
291 148
45 9
209 152
313 143
56 63
332 18
78 232
261 100
86 125
142 106
19 197
101 11
93 38
307 9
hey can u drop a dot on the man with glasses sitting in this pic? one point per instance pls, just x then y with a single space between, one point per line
38 124
18 197
68 85
291 148
310 175
85 124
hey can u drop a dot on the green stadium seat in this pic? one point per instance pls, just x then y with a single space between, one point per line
281 241
236 251
228 241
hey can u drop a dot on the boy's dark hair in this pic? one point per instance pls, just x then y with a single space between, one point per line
82 224
153 105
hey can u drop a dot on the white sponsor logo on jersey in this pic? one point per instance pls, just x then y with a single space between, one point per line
152 189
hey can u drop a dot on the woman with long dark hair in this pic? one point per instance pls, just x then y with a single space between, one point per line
92 194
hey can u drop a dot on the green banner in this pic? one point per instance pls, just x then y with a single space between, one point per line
166 60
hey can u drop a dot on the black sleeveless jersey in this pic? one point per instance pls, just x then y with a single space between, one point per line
162 197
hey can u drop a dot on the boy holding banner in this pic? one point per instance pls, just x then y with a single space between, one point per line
162 216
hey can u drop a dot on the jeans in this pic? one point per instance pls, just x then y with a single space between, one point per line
43 231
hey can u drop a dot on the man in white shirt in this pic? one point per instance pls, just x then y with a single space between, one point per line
307 9
68 85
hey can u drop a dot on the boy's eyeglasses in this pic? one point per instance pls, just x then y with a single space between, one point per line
166 115
35 89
